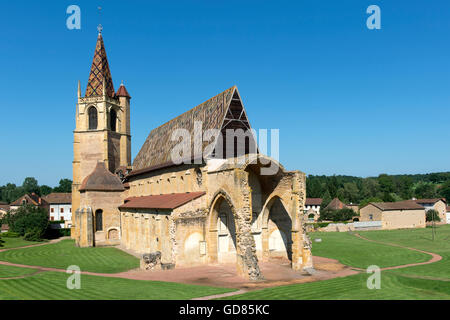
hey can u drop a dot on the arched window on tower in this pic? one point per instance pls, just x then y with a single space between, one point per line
113 119
93 121
99 220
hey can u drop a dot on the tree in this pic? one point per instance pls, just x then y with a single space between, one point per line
45 190
433 215
28 219
30 185
366 201
65 185
425 190
444 191
326 199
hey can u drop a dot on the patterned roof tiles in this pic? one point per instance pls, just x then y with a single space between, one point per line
99 71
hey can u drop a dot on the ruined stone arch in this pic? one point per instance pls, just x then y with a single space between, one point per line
213 223
277 235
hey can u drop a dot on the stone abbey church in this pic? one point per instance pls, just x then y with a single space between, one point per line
212 211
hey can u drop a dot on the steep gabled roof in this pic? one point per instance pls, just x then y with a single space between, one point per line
335 204
32 199
100 72
224 111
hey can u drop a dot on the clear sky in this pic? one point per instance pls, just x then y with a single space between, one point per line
347 100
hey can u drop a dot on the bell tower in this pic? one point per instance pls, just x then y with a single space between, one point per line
102 124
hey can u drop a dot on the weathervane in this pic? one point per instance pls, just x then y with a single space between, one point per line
100 28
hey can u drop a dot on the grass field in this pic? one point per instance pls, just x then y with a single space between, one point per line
420 239
393 287
395 284
63 254
356 252
9 271
402 283
15 242
52 286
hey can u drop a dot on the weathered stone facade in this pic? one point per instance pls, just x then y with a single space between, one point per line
229 209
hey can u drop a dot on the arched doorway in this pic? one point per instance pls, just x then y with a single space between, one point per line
277 230
222 233
99 220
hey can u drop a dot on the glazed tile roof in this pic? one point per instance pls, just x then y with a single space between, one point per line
58 198
99 71
157 148
162 201
313 201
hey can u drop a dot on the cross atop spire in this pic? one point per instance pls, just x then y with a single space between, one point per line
100 72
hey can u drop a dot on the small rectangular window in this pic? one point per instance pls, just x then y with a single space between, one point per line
62 210
52 210
62 218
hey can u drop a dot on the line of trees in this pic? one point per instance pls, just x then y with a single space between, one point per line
382 188
10 192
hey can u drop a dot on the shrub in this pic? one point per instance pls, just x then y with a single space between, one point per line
29 220
337 215
33 234
56 233
433 214
10 234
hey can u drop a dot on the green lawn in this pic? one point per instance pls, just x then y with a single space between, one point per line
356 252
52 286
15 242
65 253
420 239
9 271
393 287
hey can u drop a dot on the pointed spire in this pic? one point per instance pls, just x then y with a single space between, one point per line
79 89
100 75
122 92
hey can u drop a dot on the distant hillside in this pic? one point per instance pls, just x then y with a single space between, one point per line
382 188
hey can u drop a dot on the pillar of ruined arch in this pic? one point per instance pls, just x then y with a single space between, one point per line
233 186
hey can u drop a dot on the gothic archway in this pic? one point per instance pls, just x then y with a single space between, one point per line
277 229
222 230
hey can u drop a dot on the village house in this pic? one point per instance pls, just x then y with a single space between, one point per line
4 208
312 208
447 219
335 204
438 204
60 207
29 199
394 215
213 207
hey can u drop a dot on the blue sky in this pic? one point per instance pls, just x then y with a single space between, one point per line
347 100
